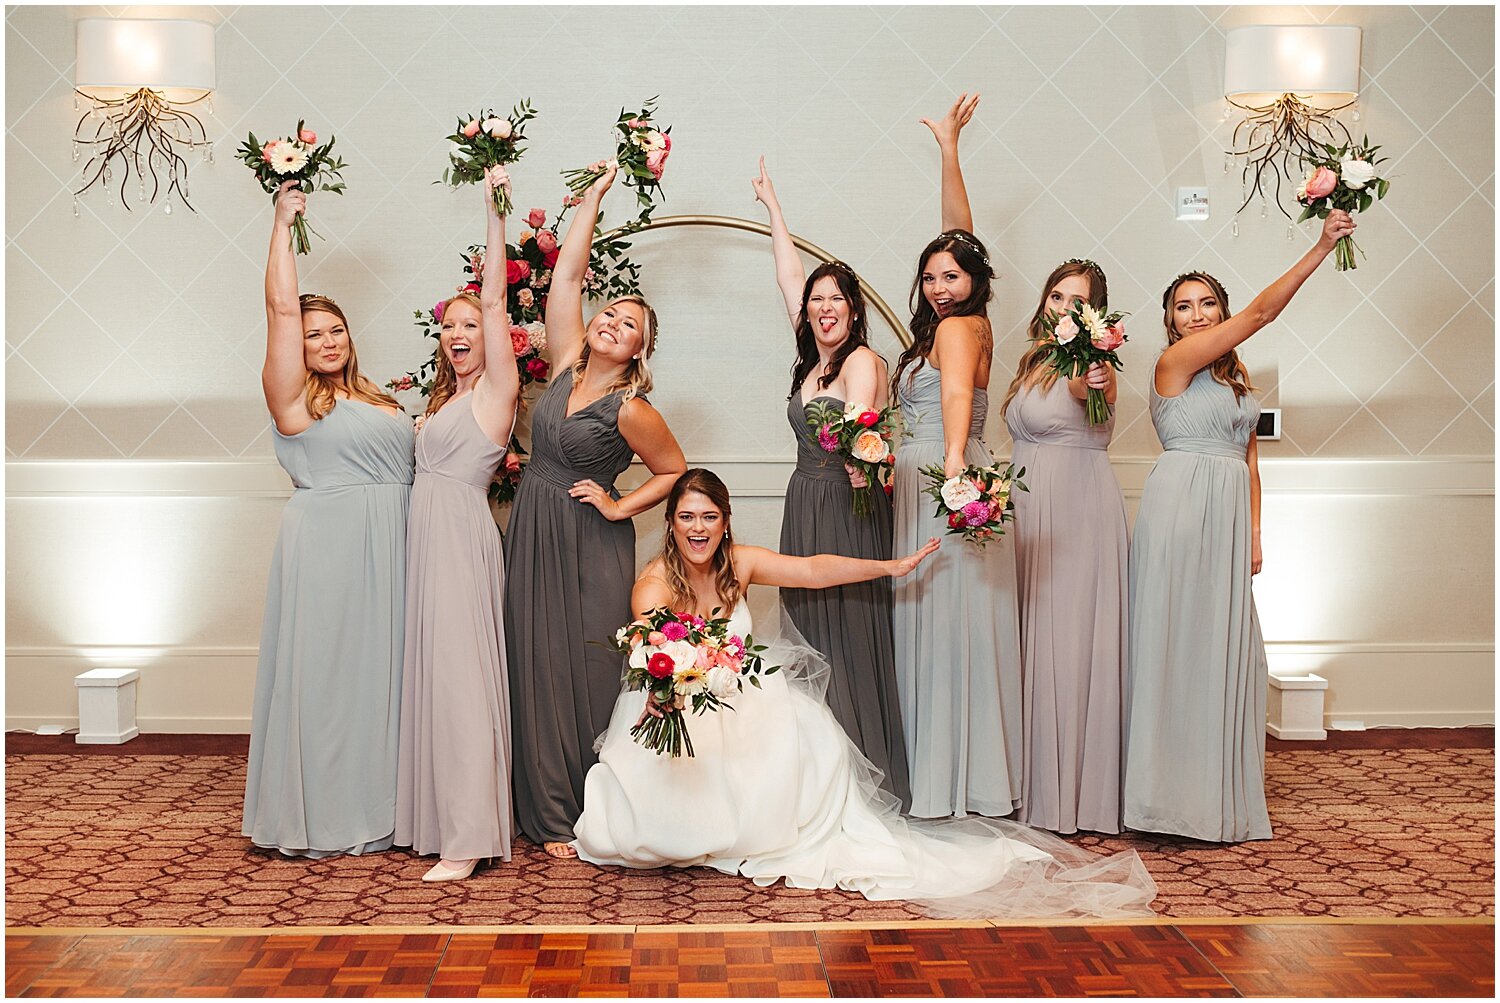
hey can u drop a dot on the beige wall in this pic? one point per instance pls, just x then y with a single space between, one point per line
134 339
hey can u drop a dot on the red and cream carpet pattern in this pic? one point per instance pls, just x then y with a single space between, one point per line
141 839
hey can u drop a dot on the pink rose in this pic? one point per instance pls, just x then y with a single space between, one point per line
656 163
516 271
1110 338
525 297
536 218
635 123
404 383
660 665
673 630
977 513
268 151
656 638
308 136
704 658
869 418
437 310
471 128
1066 330
1317 184
569 201
546 241
520 343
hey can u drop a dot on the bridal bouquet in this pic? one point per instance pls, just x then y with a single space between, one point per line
685 661
295 158
485 140
1346 178
862 436
1080 337
977 502
641 153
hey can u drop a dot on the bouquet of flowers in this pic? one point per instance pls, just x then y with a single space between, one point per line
976 503
1345 178
641 153
298 158
685 661
485 140
862 436
1072 355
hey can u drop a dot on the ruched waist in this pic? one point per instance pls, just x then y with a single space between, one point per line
1101 447
565 477
1208 447
935 434
449 478
822 468
352 484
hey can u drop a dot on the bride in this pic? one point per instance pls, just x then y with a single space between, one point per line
777 792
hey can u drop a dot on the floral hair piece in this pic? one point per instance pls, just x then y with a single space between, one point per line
316 296
965 238
1191 275
1088 263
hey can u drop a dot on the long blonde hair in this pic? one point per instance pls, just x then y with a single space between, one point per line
727 586
444 379
1035 356
1227 368
322 391
637 378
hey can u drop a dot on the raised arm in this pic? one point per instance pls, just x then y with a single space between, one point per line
284 376
956 213
564 317
1178 364
645 431
499 388
956 352
759 566
790 275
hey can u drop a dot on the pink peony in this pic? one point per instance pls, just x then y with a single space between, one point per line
519 342
471 128
1110 338
1317 184
977 513
546 241
308 136
536 218
705 657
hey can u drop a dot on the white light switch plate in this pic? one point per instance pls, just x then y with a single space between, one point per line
1192 203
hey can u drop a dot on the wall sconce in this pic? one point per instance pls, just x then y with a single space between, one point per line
139 79
1291 81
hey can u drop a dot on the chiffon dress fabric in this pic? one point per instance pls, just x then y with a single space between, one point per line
776 791
956 625
568 582
453 790
321 777
1195 759
1072 569
849 624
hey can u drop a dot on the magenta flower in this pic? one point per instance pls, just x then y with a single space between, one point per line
674 631
827 440
977 513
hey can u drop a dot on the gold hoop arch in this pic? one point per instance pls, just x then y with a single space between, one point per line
806 246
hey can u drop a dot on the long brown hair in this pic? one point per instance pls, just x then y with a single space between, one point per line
1227 368
974 260
1040 350
444 379
637 378
807 341
726 583
322 391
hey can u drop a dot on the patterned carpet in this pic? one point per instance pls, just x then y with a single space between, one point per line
152 840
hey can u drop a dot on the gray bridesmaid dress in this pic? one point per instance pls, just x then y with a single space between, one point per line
321 778
1072 572
849 624
570 571
1195 755
958 653
453 785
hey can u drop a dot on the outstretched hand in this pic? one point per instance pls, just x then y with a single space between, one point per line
907 565
946 129
765 192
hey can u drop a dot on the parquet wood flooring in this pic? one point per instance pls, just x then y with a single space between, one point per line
1271 959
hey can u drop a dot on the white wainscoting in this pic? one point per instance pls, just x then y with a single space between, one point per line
1379 576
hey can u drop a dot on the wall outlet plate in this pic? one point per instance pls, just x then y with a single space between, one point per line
1192 203
1269 425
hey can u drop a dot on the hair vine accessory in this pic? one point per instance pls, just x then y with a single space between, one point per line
1088 263
841 266
960 235
304 297
1193 276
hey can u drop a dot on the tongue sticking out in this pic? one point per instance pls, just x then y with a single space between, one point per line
828 324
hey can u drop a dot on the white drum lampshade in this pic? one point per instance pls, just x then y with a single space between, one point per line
117 56
1319 63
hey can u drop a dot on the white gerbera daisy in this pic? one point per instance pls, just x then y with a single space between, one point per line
288 158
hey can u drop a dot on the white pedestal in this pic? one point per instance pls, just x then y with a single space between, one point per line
106 706
1294 708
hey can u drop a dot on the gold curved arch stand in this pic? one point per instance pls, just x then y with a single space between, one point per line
807 246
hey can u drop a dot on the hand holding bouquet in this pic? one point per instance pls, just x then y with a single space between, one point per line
684 661
485 140
641 152
1346 178
862 436
299 159
976 503
1085 336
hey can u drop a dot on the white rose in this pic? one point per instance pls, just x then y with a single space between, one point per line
682 654
497 127
958 492
641 655
1357 173
723 682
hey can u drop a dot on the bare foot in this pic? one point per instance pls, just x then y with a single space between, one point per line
562 851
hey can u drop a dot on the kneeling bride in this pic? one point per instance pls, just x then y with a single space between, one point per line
776 791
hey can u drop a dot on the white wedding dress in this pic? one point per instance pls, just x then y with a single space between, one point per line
777 792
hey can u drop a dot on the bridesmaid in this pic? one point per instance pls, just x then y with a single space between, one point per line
570 546
322 772
453 790
1195 759
849 624
1071 567
958 657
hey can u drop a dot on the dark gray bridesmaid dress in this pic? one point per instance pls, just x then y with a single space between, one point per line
849 624
569 572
